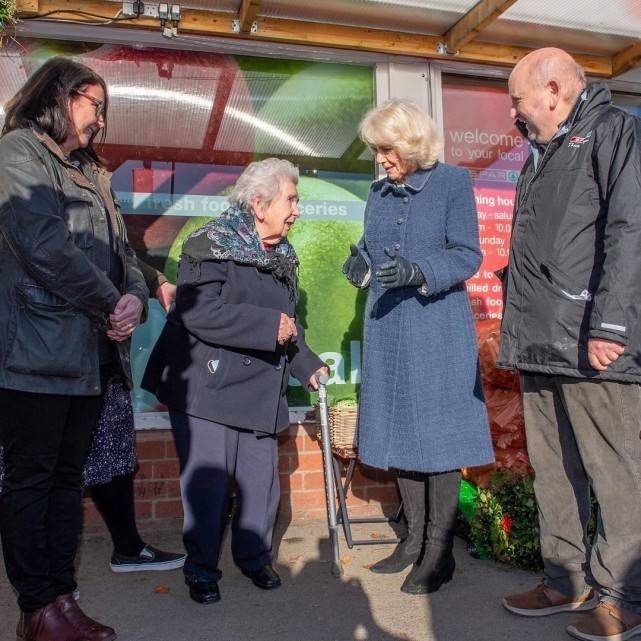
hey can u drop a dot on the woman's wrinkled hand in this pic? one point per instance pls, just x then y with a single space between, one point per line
313 381
125 317
286 329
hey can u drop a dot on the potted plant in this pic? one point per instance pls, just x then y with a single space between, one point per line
7 17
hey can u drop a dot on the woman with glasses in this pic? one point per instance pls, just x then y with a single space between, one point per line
421 409
71 294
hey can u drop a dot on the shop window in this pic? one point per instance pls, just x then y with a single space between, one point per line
182 126
480 136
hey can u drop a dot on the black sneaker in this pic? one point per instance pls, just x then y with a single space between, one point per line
149 559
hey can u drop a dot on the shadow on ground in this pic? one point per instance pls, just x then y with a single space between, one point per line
311 605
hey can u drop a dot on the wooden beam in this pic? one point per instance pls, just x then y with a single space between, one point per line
247 14
354 151
222 93
474 21
26 8
118 154
198 21
626 59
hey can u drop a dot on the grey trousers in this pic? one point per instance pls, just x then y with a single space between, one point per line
213 458
584 434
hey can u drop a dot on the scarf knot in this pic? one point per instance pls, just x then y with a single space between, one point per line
233 236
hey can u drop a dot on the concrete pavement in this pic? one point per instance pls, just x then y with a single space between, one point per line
311 605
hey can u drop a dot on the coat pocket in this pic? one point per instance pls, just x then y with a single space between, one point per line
563 286
49 335
78 218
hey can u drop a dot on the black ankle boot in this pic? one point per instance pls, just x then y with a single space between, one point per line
409 549
437 563
436 567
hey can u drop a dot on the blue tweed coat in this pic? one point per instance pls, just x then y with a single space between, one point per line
421 404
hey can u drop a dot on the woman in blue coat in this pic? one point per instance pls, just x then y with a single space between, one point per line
421 408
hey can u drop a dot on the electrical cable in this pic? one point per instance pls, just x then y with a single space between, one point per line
78 12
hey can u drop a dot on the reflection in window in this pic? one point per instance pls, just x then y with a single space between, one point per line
480 135
182 126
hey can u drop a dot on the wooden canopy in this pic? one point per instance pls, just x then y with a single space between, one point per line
487 32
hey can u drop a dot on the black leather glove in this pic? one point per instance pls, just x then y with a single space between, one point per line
356 268
399 272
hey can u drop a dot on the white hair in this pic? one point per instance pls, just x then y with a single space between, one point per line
402 125
262 179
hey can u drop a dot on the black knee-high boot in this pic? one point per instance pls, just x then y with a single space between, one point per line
407 552
436 566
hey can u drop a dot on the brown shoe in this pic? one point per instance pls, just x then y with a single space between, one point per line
85 625
46 624
543 601
606 623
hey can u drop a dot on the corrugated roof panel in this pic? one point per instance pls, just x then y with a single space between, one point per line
249 93
12 76
585 26
176 96
524 34
411 16
299 114
620 17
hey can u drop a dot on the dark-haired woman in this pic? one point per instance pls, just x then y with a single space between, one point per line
71 294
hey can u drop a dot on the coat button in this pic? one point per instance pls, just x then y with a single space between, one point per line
278 367
397 245
400 221
406 199
247 361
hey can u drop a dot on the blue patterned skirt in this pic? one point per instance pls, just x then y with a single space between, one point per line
113 451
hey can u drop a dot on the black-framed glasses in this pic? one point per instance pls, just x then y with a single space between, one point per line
98 104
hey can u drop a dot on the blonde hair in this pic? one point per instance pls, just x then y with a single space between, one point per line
401 124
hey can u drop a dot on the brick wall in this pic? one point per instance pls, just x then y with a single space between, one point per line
302 483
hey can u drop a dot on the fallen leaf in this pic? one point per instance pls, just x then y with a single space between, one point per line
162 589
296 558
377 535
346 560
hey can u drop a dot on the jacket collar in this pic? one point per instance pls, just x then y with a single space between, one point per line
103 179
414 183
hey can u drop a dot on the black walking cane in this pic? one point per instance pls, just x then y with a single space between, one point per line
330 489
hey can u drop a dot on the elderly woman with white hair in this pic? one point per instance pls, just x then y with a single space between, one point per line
222 364
421 409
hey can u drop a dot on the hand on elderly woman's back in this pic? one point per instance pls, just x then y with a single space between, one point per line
399 272
286 329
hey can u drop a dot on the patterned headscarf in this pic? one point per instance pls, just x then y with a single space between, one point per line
233 236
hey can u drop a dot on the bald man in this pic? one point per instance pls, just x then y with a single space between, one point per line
572 327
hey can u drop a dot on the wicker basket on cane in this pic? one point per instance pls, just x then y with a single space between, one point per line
343 420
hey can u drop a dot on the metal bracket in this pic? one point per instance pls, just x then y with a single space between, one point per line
442 50
235 26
